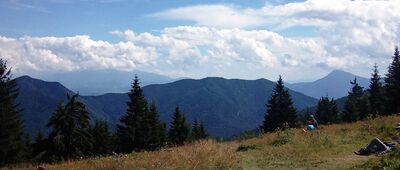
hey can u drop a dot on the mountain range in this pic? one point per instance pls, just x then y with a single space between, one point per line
226 106
336 84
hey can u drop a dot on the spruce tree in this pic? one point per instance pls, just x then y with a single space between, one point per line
198 131
376 94
202 131
131 130
11 128
392 86
327 111
280 109
102 143
353 109
156 135
38 147
195 134
70 137
179 130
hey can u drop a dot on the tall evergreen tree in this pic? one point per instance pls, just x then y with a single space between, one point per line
102 143
179 130
202 131
156 134
198 131
327 111
70 137
392 86
353 109
38 147
131 130
376 94
280 109
11 132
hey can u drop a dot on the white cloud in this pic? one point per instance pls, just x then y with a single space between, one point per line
350 33
352 36
72 53
220 16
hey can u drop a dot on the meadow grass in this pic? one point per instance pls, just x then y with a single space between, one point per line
331 147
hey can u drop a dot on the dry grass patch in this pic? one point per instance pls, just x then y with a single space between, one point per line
206 154
331 147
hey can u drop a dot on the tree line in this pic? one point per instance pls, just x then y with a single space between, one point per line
73 136
381 98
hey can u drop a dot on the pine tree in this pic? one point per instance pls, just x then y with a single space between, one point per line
70 137
353 109
392 86
327 111
179 130
198 131
131 130
376 94
102 143
38 147
11 132
195 134
280 110
157 130
202 131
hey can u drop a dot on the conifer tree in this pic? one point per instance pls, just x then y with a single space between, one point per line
198 131
376 94
156 133
327 111
70 137
280 109
195 134
102 143
202 131
38 146
353 109
11 132
131 131
392 86
179 130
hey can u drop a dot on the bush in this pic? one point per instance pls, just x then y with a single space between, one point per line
243 148
282 138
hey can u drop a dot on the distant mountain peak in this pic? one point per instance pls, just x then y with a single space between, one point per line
338 72
336 84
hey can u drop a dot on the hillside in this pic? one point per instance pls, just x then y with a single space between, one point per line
38 99
226 107
336 84
331 147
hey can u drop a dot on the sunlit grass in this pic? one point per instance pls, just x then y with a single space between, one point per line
331 147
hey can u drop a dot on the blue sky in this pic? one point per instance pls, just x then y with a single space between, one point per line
301 40
98 17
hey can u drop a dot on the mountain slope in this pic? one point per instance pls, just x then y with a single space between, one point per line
336 84
225 106
38 99
97 82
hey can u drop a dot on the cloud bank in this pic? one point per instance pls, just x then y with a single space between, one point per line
230 41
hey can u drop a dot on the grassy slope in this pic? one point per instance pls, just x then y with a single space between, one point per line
330 148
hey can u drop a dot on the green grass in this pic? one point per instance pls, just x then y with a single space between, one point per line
331 147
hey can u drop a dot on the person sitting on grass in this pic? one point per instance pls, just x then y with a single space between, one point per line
312 124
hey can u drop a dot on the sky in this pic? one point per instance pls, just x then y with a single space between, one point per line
248 39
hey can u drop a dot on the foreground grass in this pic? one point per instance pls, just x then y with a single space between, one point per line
331 147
